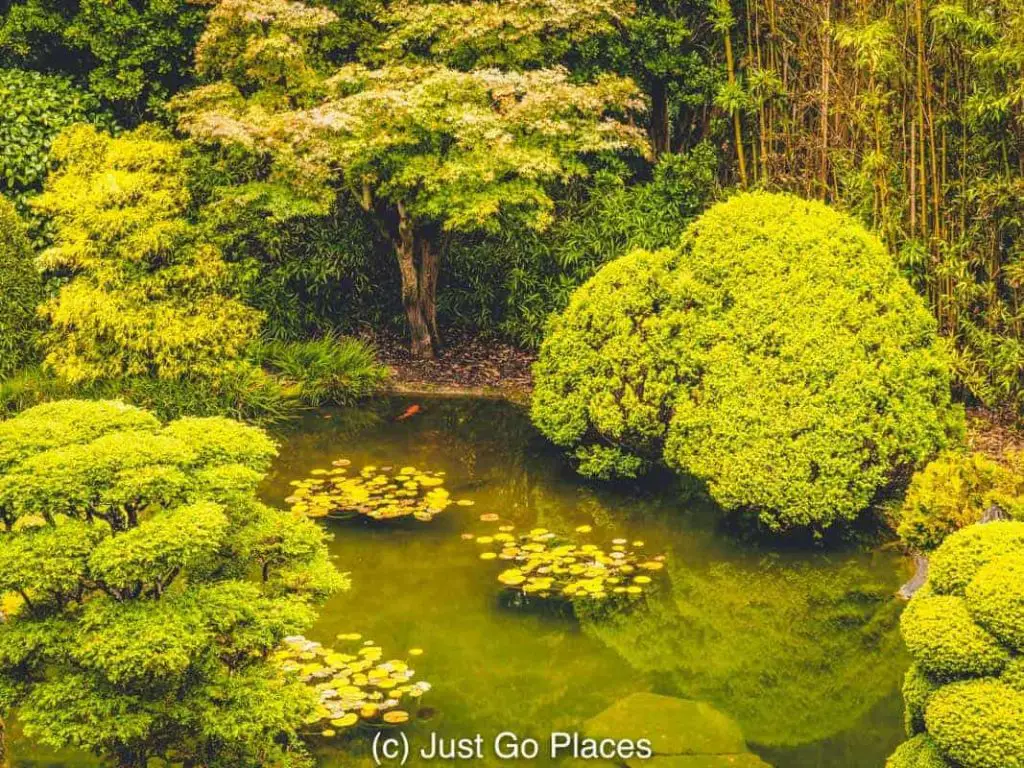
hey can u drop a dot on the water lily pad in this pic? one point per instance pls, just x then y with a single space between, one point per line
372 492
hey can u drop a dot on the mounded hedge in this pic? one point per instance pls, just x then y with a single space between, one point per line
21 292
964 695
775 354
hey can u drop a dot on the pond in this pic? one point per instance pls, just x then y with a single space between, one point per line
800 647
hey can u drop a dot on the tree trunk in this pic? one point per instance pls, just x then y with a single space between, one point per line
660 127
429 268
419 285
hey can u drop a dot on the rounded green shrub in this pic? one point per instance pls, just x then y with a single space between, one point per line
945 641
995 598
978 723
963 554
21 292
918 752
918 687
964 629
776 354
952 492
1013 675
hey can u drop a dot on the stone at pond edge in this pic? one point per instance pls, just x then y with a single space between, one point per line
683 733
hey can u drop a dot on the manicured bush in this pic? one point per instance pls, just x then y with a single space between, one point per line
946 642
956 490
964 694
918 752
918 687
151 587
978 724
995 598
149 296
964 553
21 292
776 354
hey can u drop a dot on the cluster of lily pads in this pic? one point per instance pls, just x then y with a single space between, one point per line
544 564
353 688
380 493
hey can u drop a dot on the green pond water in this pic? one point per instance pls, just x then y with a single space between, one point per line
800 647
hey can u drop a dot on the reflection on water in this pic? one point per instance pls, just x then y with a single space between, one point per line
800 648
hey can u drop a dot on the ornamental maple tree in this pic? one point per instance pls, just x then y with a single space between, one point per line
424 148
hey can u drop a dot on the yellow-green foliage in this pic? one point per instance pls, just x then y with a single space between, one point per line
776 354
20 291
955 563
946 642
918 752
978 724
996 599
964 695
147 294
954 491
146 587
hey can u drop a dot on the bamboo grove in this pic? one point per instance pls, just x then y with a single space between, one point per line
910 114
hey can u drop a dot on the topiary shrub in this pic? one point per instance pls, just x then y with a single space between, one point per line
22 290
964 695
946 642
918 752
964 553
956 490
146 588
775 354
978 723
995 598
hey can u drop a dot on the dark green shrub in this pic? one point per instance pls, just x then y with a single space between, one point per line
995 598
21 291
776 354
35 108
946 642
978 723
964 553
954 491
134 53
241 391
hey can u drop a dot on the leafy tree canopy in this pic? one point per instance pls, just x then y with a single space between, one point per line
151 587
423 147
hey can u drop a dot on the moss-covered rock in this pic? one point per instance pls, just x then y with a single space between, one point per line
674 726
776 354
978 723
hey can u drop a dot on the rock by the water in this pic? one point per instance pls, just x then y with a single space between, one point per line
683 733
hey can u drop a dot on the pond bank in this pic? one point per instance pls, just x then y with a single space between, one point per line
466 366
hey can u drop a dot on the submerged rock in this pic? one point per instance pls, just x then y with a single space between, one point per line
683 733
